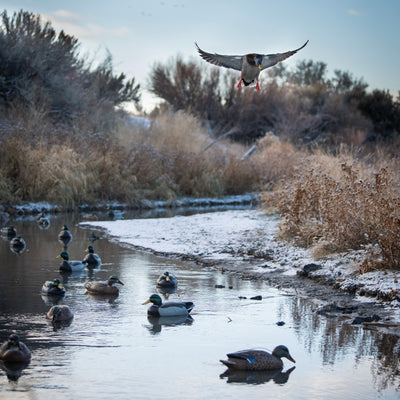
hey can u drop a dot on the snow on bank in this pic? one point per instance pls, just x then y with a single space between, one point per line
250 236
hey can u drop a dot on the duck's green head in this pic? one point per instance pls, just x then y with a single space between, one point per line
64 255
155 299
57 283
90 249
65 228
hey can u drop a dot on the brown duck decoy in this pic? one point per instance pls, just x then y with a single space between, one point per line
258 360
59 313
104 287
250 65
13 350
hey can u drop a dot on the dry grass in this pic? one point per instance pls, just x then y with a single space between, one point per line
337 203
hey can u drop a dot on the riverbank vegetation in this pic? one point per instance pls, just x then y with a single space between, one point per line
324 151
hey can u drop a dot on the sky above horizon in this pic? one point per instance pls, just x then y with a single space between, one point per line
359 36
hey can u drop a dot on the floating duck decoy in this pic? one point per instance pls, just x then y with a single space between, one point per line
167 280
93 237
59 313
104 287
17 245
13 350
70 266
53 288
258 360
92 259
42 220
169 309
65 236
250 65
9 232
114 213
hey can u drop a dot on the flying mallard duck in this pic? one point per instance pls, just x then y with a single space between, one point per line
14 351
59 313
92 259
70 266
65 236
169 309
167 280
104 287
250 65
257 360
54 288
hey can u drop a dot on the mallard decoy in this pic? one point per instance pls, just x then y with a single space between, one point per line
169 309
70 266
42 220
65 236
114 213
250 65
258 360
17 244
59 313
104 287
10 232
92 259
13 350
167 280
54 288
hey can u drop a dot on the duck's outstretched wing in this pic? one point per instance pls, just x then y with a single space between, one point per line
270 60
234 62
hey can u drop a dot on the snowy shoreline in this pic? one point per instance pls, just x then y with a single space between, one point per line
244 241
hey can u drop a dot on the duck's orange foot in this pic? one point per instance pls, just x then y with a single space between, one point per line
257 86
239 85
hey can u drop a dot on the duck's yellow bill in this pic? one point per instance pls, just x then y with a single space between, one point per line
259 66
146 302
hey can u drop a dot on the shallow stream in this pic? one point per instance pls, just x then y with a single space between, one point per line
112 350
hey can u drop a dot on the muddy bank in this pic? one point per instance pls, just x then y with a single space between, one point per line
243 242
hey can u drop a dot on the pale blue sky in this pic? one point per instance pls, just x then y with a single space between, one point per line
359 36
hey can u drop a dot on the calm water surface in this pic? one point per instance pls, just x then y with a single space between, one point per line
111 349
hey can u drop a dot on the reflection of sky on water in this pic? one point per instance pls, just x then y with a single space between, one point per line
109 349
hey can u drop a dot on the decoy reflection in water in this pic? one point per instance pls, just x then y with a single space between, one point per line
17 245
53 288
13 350
104 287
258 360
250 65
59 313
167 280
13 370
65 236
91 259
114 213
158 322
257 377
70 266
169 309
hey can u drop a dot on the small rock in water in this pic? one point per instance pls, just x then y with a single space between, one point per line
259 297
219 286
242 297
280 323
307 269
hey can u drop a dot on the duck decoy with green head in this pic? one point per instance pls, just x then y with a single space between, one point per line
250 65
104 287
13 350
167 280
169 309
59 313
258 360
10 232
53 288
17 245
92 259
70 266
65 236
42 220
